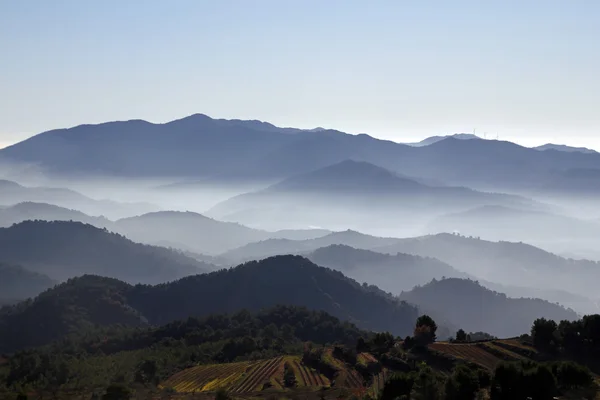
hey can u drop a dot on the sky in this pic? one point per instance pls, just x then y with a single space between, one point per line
525 71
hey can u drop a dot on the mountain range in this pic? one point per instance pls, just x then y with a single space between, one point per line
12 193
509 267
339 194
198 146
392 273
198 233
87 301
272 247
509 263
541 228
92 300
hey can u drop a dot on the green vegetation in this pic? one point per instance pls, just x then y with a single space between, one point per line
580 338
149 355
82 304
243 353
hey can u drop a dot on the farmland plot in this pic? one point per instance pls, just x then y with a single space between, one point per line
468 352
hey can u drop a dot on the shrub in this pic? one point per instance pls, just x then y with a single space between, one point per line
571 375
117 391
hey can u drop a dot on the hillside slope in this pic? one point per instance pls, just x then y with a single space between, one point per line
195 232
346 192
12 193
64 249
508 263
47 212
17 283
392 273
474 308
291 280
288 280
272 247
549 230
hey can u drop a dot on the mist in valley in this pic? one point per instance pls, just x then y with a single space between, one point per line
395 225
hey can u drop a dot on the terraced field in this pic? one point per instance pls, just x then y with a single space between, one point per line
379 382
366 358
467 352
205 378
305 376
346 377
486 354
262 373
516 346
244 377
501 352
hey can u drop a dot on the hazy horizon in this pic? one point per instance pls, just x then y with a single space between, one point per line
522 71
7 140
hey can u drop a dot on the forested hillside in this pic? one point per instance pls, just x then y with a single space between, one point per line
81 303
64 249
473 308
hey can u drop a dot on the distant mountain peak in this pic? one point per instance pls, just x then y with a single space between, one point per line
435 139
564 148
346 175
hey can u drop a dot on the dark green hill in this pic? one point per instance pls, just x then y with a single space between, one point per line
75 306
277 280
64 249
290 280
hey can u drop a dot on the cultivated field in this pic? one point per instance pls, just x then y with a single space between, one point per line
486 354
204 378
245 377
305 376
379 381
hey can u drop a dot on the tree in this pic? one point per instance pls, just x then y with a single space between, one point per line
361 345
425 330
146 371
382 342
289 378
543 333
222 394
463 384
461 336
117 391
539 383
426 386
571 375
506 382
397 386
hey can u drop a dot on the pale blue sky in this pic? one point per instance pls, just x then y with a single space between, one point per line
525 70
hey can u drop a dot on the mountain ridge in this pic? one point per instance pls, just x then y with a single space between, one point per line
65 249
252 150
289 280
